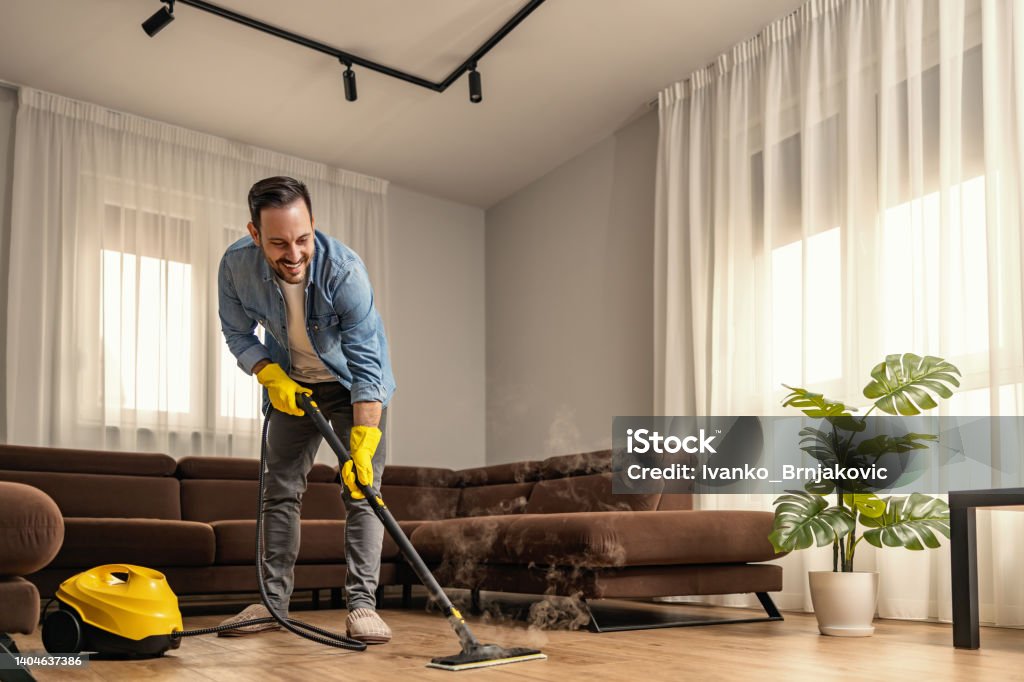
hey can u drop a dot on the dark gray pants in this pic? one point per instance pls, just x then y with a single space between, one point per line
292 446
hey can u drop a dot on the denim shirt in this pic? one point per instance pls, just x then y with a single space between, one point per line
343 325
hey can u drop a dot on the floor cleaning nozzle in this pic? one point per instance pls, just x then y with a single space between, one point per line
477 655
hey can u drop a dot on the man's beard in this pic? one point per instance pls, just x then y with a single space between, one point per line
284 273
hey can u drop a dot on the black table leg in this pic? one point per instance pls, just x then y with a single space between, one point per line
964 573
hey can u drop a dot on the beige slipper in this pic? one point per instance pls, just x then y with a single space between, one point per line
251 612
366 626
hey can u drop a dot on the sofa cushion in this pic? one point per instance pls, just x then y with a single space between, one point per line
512 472
147 542
29 458
585 494
220 499
645 538
241 468
21 606
578 464
503 498
472 539
434 477
408 502
320 542
105 496
31 529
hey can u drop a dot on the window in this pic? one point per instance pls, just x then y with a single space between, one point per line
154 304
934 293
147 312
930 287
147 332
239 395
913 254
817 293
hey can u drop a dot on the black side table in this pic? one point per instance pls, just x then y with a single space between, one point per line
963 550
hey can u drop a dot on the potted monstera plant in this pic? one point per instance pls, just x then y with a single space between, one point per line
821 514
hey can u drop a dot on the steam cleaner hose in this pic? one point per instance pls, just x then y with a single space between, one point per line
315 634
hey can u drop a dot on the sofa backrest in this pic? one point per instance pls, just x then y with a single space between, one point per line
420 493
497 489
583 483
566 483
225 488
92 483
588 493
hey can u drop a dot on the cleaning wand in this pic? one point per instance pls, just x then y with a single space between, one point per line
473 653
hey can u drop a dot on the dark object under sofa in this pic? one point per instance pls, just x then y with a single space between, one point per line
537 527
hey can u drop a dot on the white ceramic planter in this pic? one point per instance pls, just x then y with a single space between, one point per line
844 603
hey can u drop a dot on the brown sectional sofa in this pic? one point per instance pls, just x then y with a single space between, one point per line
535 527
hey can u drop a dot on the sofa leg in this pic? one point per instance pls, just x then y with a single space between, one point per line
769 606
336 598
378 596
621 621
474 602
407 596
8 671
316 599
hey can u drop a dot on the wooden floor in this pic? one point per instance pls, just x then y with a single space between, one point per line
789 650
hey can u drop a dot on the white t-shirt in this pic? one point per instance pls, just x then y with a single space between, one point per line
306 366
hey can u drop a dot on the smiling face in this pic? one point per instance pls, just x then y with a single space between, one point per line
286 238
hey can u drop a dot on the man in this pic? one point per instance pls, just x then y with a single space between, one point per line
324 338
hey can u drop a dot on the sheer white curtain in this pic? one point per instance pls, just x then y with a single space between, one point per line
118 226
845 185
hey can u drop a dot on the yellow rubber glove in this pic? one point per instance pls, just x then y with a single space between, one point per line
362 444
282 389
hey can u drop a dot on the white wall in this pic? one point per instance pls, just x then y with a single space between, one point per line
436 330
569 301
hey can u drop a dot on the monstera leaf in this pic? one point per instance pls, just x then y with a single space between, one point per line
825 486
813 404
821 445
868 504
802 520
909 522
904 384
817 405
884 444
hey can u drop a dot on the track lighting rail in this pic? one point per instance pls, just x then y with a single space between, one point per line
166 15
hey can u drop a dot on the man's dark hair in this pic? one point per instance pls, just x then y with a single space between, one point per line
276 192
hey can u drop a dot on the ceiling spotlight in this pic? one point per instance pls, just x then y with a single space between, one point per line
476 93
158 21
350 81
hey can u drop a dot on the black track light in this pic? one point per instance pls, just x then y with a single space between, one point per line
350 82
159 21
476 93
165 15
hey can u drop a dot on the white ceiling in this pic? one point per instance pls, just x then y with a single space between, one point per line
571 74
